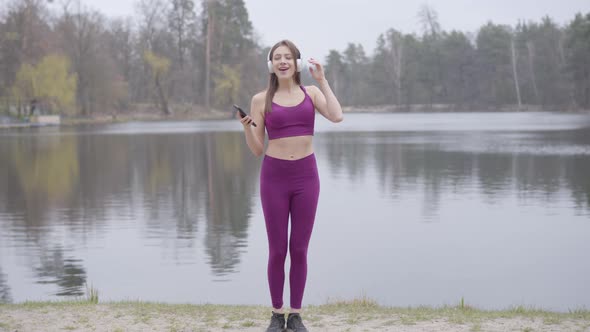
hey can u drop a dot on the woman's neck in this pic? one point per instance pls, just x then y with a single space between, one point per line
287 86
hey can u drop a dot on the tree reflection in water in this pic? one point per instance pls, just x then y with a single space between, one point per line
67 273
192 194
5 296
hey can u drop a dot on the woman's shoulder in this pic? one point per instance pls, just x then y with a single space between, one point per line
312 91
311 88
258 101
260 96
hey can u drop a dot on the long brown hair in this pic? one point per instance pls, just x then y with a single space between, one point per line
273 82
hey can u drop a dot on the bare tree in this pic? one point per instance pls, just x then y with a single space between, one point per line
210 27
122 38
514 72
182 21
428 17
150 21
396 46
531 55
82 37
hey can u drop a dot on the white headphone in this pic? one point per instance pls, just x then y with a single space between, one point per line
269 62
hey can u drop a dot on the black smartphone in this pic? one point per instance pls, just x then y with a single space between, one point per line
243 114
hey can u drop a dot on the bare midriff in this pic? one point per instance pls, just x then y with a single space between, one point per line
290 148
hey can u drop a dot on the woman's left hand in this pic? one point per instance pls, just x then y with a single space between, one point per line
316 70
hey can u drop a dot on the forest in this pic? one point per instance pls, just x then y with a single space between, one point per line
188 56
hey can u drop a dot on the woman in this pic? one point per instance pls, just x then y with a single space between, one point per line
289 182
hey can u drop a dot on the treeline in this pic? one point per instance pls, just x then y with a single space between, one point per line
66 58
191 55
532 64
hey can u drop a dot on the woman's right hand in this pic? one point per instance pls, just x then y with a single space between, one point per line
246 121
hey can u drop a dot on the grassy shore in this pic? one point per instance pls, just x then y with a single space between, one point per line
356 315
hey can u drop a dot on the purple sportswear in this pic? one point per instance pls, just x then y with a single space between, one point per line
289 188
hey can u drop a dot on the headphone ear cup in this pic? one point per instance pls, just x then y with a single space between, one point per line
299 65
269 65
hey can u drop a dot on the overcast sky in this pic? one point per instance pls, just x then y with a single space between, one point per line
316 26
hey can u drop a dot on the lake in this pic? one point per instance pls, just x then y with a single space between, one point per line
415 209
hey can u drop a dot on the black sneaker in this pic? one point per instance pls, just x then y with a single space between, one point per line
295 324
277 323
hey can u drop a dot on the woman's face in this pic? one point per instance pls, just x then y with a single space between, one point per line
283 62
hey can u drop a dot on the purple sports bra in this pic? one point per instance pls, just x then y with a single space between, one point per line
288 121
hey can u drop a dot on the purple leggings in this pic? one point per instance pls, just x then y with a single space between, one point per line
288 187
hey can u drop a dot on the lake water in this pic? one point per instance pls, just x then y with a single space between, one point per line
415 209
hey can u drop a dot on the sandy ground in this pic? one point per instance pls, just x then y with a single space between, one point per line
142 317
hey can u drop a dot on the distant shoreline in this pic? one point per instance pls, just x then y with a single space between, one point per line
356 315
198 114
445 108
